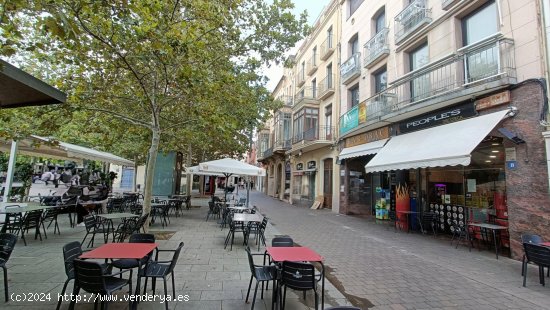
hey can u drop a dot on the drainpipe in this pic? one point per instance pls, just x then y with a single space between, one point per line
545 8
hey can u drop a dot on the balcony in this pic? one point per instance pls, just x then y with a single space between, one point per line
268 153
472 71
414 16
306 95
311 65
327 48
282 146
447 4
326 87
314 138
351 69
286 100
301 78
376 48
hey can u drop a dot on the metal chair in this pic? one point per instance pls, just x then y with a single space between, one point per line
93 226
7 243
262 273
133 263
90 277
531 239
300 277
50 215
32 219
235 227
161 269
213 209
538 255
428 219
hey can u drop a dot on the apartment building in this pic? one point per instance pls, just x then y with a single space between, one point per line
442 103
300 154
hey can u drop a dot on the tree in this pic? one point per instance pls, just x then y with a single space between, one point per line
177 68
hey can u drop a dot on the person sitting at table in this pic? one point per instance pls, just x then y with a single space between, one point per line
89 194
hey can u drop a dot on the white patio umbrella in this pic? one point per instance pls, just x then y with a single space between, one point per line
229 166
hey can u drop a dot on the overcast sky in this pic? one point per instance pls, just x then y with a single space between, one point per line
313 8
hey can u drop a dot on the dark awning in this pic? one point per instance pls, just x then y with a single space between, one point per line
20 89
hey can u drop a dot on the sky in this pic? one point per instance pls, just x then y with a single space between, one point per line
313 8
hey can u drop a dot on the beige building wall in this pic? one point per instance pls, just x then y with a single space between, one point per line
518 20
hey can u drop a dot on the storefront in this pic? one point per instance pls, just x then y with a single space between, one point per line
361 191
303 189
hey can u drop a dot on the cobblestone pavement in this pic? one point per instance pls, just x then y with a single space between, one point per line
374 266
212 277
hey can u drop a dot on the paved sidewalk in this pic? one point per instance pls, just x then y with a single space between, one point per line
375 267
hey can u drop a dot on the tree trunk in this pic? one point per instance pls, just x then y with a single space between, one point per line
189 181
149 173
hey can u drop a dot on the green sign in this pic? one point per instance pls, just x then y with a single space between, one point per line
350 120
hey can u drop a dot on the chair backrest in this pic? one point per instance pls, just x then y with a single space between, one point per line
298 276
142 238
32 218
250 260
282 242
89 222
537 254
51 212
175 258
71 251
89 276
7 243
531 238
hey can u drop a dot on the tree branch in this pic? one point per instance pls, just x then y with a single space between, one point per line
120 116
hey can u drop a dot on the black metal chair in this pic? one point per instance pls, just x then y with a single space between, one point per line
161 212
300 277
538 255
428 220
235 227
50 215
133 263
30 220
90 277
283 241
262 273
124 229
188 202
531 239
259 231
161 269
213 209
93 226
140 224
7 243
460 232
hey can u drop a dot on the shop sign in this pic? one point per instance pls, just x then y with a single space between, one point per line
349 120
493 100
510 154
311 164
369 136
362 112
440 117
512 165
300 166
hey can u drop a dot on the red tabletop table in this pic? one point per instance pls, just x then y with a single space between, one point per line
299 254
545 243
120 251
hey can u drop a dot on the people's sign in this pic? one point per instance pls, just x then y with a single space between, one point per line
440 117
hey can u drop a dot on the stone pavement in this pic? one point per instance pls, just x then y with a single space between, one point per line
373 266
210 276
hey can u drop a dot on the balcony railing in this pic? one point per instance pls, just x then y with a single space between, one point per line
351 69
321 134
301 78
326 87
411 18
283 145
286 100
468 71
306 94
376 47
311 65
268 153
327 48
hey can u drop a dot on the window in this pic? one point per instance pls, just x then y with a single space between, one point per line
328 122
328 82
354 45
480 24
354 95
314 56
305 124
303 72
420 85
380 80
314 88
329 37
380 21
354 5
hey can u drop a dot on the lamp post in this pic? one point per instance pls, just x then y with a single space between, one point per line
249 156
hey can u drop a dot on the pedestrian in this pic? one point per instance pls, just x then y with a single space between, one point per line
46 176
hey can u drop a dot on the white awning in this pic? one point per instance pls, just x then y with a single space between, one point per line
362 150
445 145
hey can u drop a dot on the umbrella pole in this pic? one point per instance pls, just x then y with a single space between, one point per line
11 170
248 192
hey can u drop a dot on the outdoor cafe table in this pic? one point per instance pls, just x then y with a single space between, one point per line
238 209
24 207
113 216
299 254
493 228
122 251
245 217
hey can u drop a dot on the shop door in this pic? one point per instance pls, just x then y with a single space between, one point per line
327 184
311 180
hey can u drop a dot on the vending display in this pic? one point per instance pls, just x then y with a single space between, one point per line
448 213
382 204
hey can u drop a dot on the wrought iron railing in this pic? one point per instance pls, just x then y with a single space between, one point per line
268 153
413 16
301 78
326 85
327 48
475 65
282 145
311 65
351 67
306 92
376 46
320 133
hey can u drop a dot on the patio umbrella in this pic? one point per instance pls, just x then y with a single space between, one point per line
229 166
